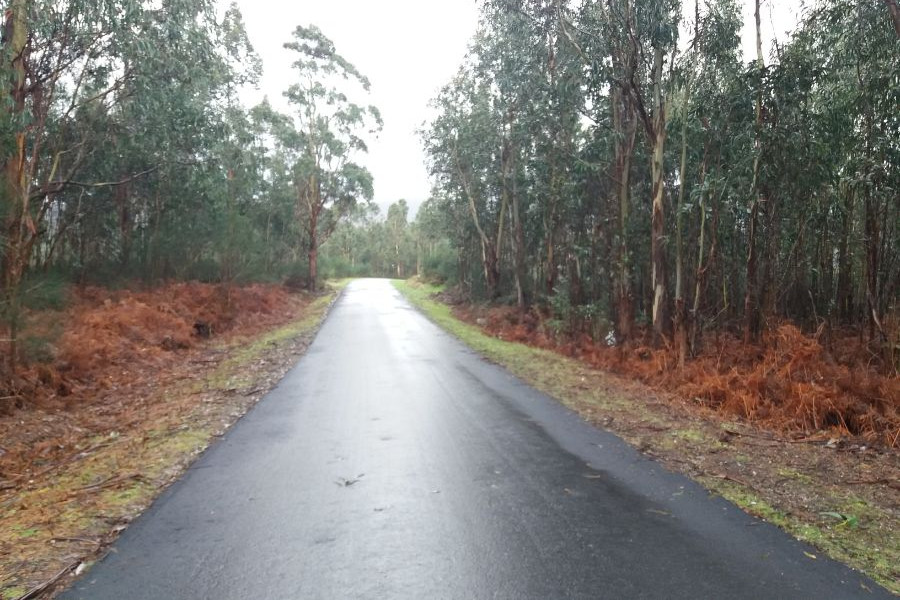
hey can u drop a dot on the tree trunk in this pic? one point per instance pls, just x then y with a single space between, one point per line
844 285
121 197
313 255
680 321
15 193
661 316
872 265
313 251
518 231
700 275
751 293
625 129
894 9
550 264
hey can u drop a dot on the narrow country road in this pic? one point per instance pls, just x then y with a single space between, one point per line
393 462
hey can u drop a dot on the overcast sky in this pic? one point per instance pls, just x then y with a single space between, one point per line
408 49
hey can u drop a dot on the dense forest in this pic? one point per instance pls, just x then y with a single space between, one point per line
620 164
617 165
127 155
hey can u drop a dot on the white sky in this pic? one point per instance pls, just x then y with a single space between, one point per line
408 49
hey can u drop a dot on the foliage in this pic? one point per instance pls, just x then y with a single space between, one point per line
571 130
126 155
320 151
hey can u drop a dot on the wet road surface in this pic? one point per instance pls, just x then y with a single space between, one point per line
392 462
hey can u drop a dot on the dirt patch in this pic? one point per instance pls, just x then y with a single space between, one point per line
135 393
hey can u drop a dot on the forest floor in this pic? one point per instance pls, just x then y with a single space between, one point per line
134 386
834 489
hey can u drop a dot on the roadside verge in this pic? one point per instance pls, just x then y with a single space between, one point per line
57 520
838 496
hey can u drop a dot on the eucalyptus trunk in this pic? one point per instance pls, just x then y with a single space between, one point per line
680 321
751 293
14 208
624 130
661 317
518 231
844 282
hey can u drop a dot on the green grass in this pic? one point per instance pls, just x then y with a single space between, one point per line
581 388
158 455
553 374
854 545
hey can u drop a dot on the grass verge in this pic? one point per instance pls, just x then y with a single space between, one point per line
804 489
61 520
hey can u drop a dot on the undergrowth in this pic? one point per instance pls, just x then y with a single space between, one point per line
696 447
791 382
72 474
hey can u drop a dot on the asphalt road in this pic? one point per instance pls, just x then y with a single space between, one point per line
393 462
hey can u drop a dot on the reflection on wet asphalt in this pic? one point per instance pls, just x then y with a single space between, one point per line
392 462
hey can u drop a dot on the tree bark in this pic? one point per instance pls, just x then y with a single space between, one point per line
894 9
680 320
17 223
661 313
625 129
844 289
518 231
313 255
314 204
751 292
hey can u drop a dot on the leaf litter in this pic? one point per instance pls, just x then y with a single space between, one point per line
139 382
775 465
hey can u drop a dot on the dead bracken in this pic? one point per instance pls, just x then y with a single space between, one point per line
132 394
792 382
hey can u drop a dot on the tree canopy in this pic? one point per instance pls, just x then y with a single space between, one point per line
615 163
587 151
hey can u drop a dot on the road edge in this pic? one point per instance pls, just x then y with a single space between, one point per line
563 379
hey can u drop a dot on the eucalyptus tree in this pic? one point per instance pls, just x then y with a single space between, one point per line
540 84
706 97
751 294
509 56
629 49
505 140
89 86
786 174
463 144
328 136
600 34
714 122
837 85
399 238
655 30
59 61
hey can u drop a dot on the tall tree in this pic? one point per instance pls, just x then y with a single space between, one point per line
78 110
329 134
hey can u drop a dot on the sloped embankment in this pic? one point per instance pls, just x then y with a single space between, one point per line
833 490
140 383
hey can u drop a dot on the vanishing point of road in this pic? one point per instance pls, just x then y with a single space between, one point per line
393 462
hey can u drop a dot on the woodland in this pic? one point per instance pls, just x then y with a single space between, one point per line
615 180
128 158
649 201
